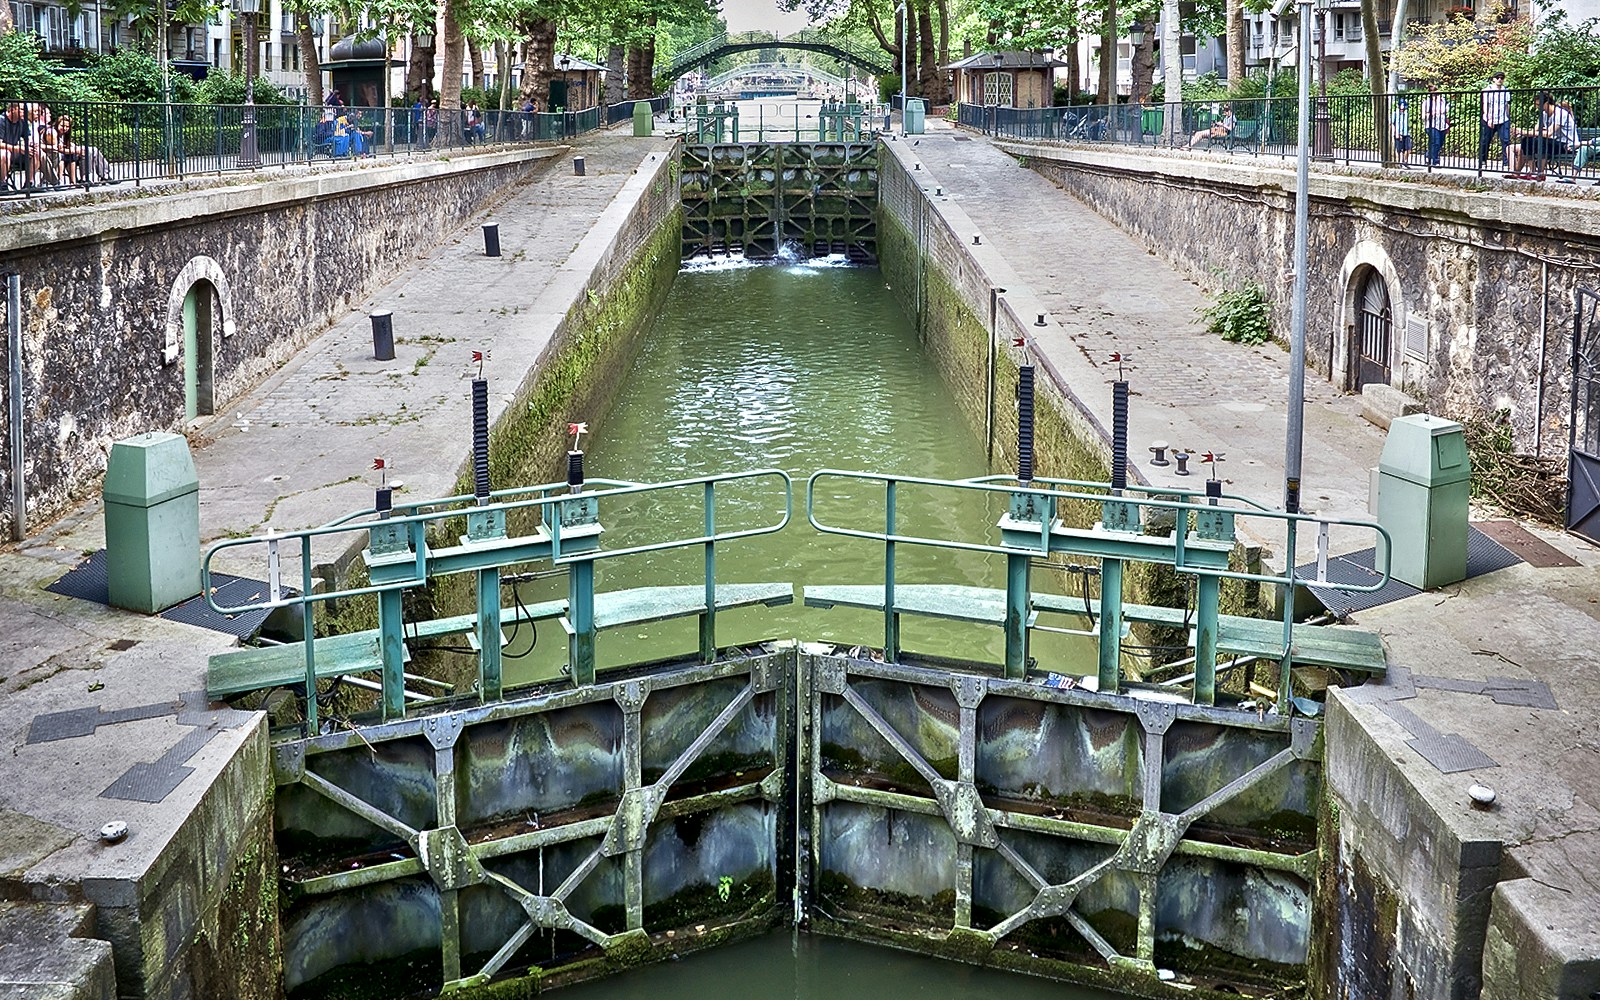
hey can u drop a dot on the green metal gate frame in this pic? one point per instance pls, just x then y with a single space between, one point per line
1142 851
443 852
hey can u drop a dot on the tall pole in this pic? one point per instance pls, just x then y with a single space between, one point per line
1297 322
19 489
248 156
1322 121
388 98
905 13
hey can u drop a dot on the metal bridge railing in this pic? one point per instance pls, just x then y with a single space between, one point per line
404 552
1198 544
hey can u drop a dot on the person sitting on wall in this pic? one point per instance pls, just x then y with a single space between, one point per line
347 135
80 162
1220 129
16 145
322 134
47 147
1556 135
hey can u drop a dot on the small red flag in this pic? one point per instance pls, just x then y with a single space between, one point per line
1019 342
377 463
477 356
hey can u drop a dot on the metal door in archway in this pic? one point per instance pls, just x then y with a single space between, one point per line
1583 469
1375 333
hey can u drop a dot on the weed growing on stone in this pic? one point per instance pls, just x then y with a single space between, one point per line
1240 315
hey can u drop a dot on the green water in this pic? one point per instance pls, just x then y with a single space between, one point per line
798 367
788 964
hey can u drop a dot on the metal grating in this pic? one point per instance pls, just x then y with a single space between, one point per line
1484 555
1451 753
87 582
1416 336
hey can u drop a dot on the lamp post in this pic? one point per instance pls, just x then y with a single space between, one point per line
1322 120
248 156
903 14
566 97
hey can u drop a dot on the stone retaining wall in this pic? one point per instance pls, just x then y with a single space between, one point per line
1480 283
270 264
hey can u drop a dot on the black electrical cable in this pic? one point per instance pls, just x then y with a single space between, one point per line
522 613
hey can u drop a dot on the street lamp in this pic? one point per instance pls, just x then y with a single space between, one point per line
566 96
1136 33
248 156
1322 120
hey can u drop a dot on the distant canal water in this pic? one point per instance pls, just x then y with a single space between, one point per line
798 366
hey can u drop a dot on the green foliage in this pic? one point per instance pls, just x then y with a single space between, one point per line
1240 315
131 76
1561 55
221 87
1461 53
26 75
888 85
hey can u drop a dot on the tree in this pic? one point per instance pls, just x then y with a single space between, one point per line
1234 42
1108 54
1461 53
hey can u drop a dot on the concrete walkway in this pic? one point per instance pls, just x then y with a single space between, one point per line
1103 292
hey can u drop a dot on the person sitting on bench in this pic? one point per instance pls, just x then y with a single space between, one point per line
16 145
1556 135
1220 129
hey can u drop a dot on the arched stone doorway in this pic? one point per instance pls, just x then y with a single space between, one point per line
1369 335
199 316
1372 347
199 363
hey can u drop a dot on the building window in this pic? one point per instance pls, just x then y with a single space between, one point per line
997 89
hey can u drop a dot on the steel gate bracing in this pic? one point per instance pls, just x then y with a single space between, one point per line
1376 334
1583 472
565 812
978 807
756 198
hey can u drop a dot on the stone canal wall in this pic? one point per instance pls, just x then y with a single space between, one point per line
252 271
1480 285
970 306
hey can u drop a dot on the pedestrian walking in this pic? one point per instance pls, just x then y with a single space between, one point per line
1496 118
1436 120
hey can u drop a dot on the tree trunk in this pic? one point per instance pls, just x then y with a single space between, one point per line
927 55
1172 70
502 66
647 61
1108 54
1235 37
1375 78
1397 38
1074 71
637 73
475 55
308 57
615 89
5 19
450 75
943 96
538 51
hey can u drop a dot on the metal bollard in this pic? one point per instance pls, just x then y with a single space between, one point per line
1182 458
1159 449
577 165
382 335
491 239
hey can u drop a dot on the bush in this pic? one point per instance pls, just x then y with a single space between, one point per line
888 86
134 77
1240 315
222 87
25 75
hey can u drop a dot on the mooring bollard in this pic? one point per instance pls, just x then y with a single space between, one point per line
383 335
577 165
491 239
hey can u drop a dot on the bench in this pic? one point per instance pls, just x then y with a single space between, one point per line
1588 149
1246 132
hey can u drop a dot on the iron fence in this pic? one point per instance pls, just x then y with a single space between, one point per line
623 111
83 144
1346 129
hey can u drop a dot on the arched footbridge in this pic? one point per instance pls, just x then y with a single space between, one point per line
809 40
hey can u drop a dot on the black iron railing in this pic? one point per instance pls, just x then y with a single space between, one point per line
85 144
623 111
1346 129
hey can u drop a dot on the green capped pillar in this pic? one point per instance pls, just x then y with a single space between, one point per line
152 512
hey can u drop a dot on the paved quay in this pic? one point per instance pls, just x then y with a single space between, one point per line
1104 293
103 711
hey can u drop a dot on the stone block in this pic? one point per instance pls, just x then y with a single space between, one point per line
1542 945
1380 404
46 952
